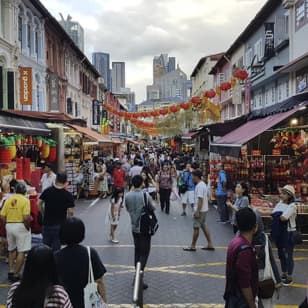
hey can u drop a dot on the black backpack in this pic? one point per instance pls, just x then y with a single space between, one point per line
148 220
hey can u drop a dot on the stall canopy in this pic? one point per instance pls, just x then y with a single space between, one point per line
190 135
13 124
91 134
230 144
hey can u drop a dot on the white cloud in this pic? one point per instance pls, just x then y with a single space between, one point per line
136 30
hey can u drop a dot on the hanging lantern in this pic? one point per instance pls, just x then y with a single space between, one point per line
164 111
241 74
225 86
121 113
195 100
174 108
185 106
144 114
210 94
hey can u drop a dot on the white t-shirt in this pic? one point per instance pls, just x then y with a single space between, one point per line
48 180
201 192
289 211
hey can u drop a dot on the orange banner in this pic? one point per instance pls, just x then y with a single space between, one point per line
25 85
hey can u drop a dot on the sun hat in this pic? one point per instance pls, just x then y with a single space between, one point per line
289 189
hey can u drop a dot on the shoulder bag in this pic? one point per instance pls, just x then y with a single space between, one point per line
267 280
148 220
92 298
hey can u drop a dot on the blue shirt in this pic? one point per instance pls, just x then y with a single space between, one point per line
187 179
222 178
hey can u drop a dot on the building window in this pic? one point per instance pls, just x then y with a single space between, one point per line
248 57
259 50
38 98
20 29
29 37
301 13
36 42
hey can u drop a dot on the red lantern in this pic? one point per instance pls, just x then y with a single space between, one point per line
195 100
121 113
225 86
52 154
210 94
144 114
174 108
241 74
164 111
185 106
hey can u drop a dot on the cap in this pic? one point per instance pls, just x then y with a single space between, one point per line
289 189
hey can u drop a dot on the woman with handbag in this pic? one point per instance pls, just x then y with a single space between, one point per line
283 229
74 265
39 286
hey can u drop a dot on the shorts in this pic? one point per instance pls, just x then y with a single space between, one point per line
188 197
198 222
18 237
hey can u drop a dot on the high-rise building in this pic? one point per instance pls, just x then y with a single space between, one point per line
101 61
162 65
118 76
74 30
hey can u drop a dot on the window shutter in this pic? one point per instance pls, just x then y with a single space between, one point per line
10 90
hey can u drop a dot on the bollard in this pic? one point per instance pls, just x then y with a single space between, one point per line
138 288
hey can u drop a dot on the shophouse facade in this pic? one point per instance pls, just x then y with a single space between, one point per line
9 55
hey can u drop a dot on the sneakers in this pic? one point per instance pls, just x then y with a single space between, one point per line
287 282
115 241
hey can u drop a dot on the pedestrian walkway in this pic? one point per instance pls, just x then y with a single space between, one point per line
176 278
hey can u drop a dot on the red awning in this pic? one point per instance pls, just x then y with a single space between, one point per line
95 136
247 132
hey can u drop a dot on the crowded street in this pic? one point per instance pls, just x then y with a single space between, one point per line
176 278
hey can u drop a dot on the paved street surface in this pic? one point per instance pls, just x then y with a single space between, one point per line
176 278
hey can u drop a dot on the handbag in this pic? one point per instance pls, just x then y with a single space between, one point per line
92 298
148 220
267 282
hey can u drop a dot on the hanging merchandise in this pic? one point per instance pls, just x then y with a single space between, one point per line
19 169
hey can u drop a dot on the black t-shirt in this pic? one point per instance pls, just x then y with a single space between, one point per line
73 267
57 201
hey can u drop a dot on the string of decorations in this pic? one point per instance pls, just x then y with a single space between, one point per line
203 103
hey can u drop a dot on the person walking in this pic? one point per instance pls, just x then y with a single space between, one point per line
174 189
221 195
165 185
48 178
187 196
39 286
242 267
73 263
16 217
134 203
118 175
55 204
201 208
283 228
241 201
116 204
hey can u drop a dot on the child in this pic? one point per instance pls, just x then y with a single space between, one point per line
116 204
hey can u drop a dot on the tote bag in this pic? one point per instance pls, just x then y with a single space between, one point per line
92 298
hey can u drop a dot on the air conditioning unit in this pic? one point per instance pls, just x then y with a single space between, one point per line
288 3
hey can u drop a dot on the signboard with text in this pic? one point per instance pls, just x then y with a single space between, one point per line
269 47
54 92
25 85
95 112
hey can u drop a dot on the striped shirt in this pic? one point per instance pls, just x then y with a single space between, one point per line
58 299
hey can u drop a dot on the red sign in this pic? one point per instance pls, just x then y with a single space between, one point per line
256 153
276 152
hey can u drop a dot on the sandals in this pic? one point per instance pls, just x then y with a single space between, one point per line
189 249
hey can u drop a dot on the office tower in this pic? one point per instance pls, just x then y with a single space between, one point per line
74 30
101 61
118 76
162 65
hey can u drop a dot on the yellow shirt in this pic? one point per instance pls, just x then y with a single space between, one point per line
15 208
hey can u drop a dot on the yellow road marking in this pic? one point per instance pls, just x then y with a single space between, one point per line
4 285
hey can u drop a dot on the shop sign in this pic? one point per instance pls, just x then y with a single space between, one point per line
269 48
54 92
276 152
256 153
25 85
95 112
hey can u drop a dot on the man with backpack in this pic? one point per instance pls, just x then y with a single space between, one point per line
135 203
221 195
242 267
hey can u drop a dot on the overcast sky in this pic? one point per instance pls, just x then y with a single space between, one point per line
136 30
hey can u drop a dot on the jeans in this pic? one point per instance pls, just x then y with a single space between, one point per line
51 237
285 255
165 199
222 207
142 248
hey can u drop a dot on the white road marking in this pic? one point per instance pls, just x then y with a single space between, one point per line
94 202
